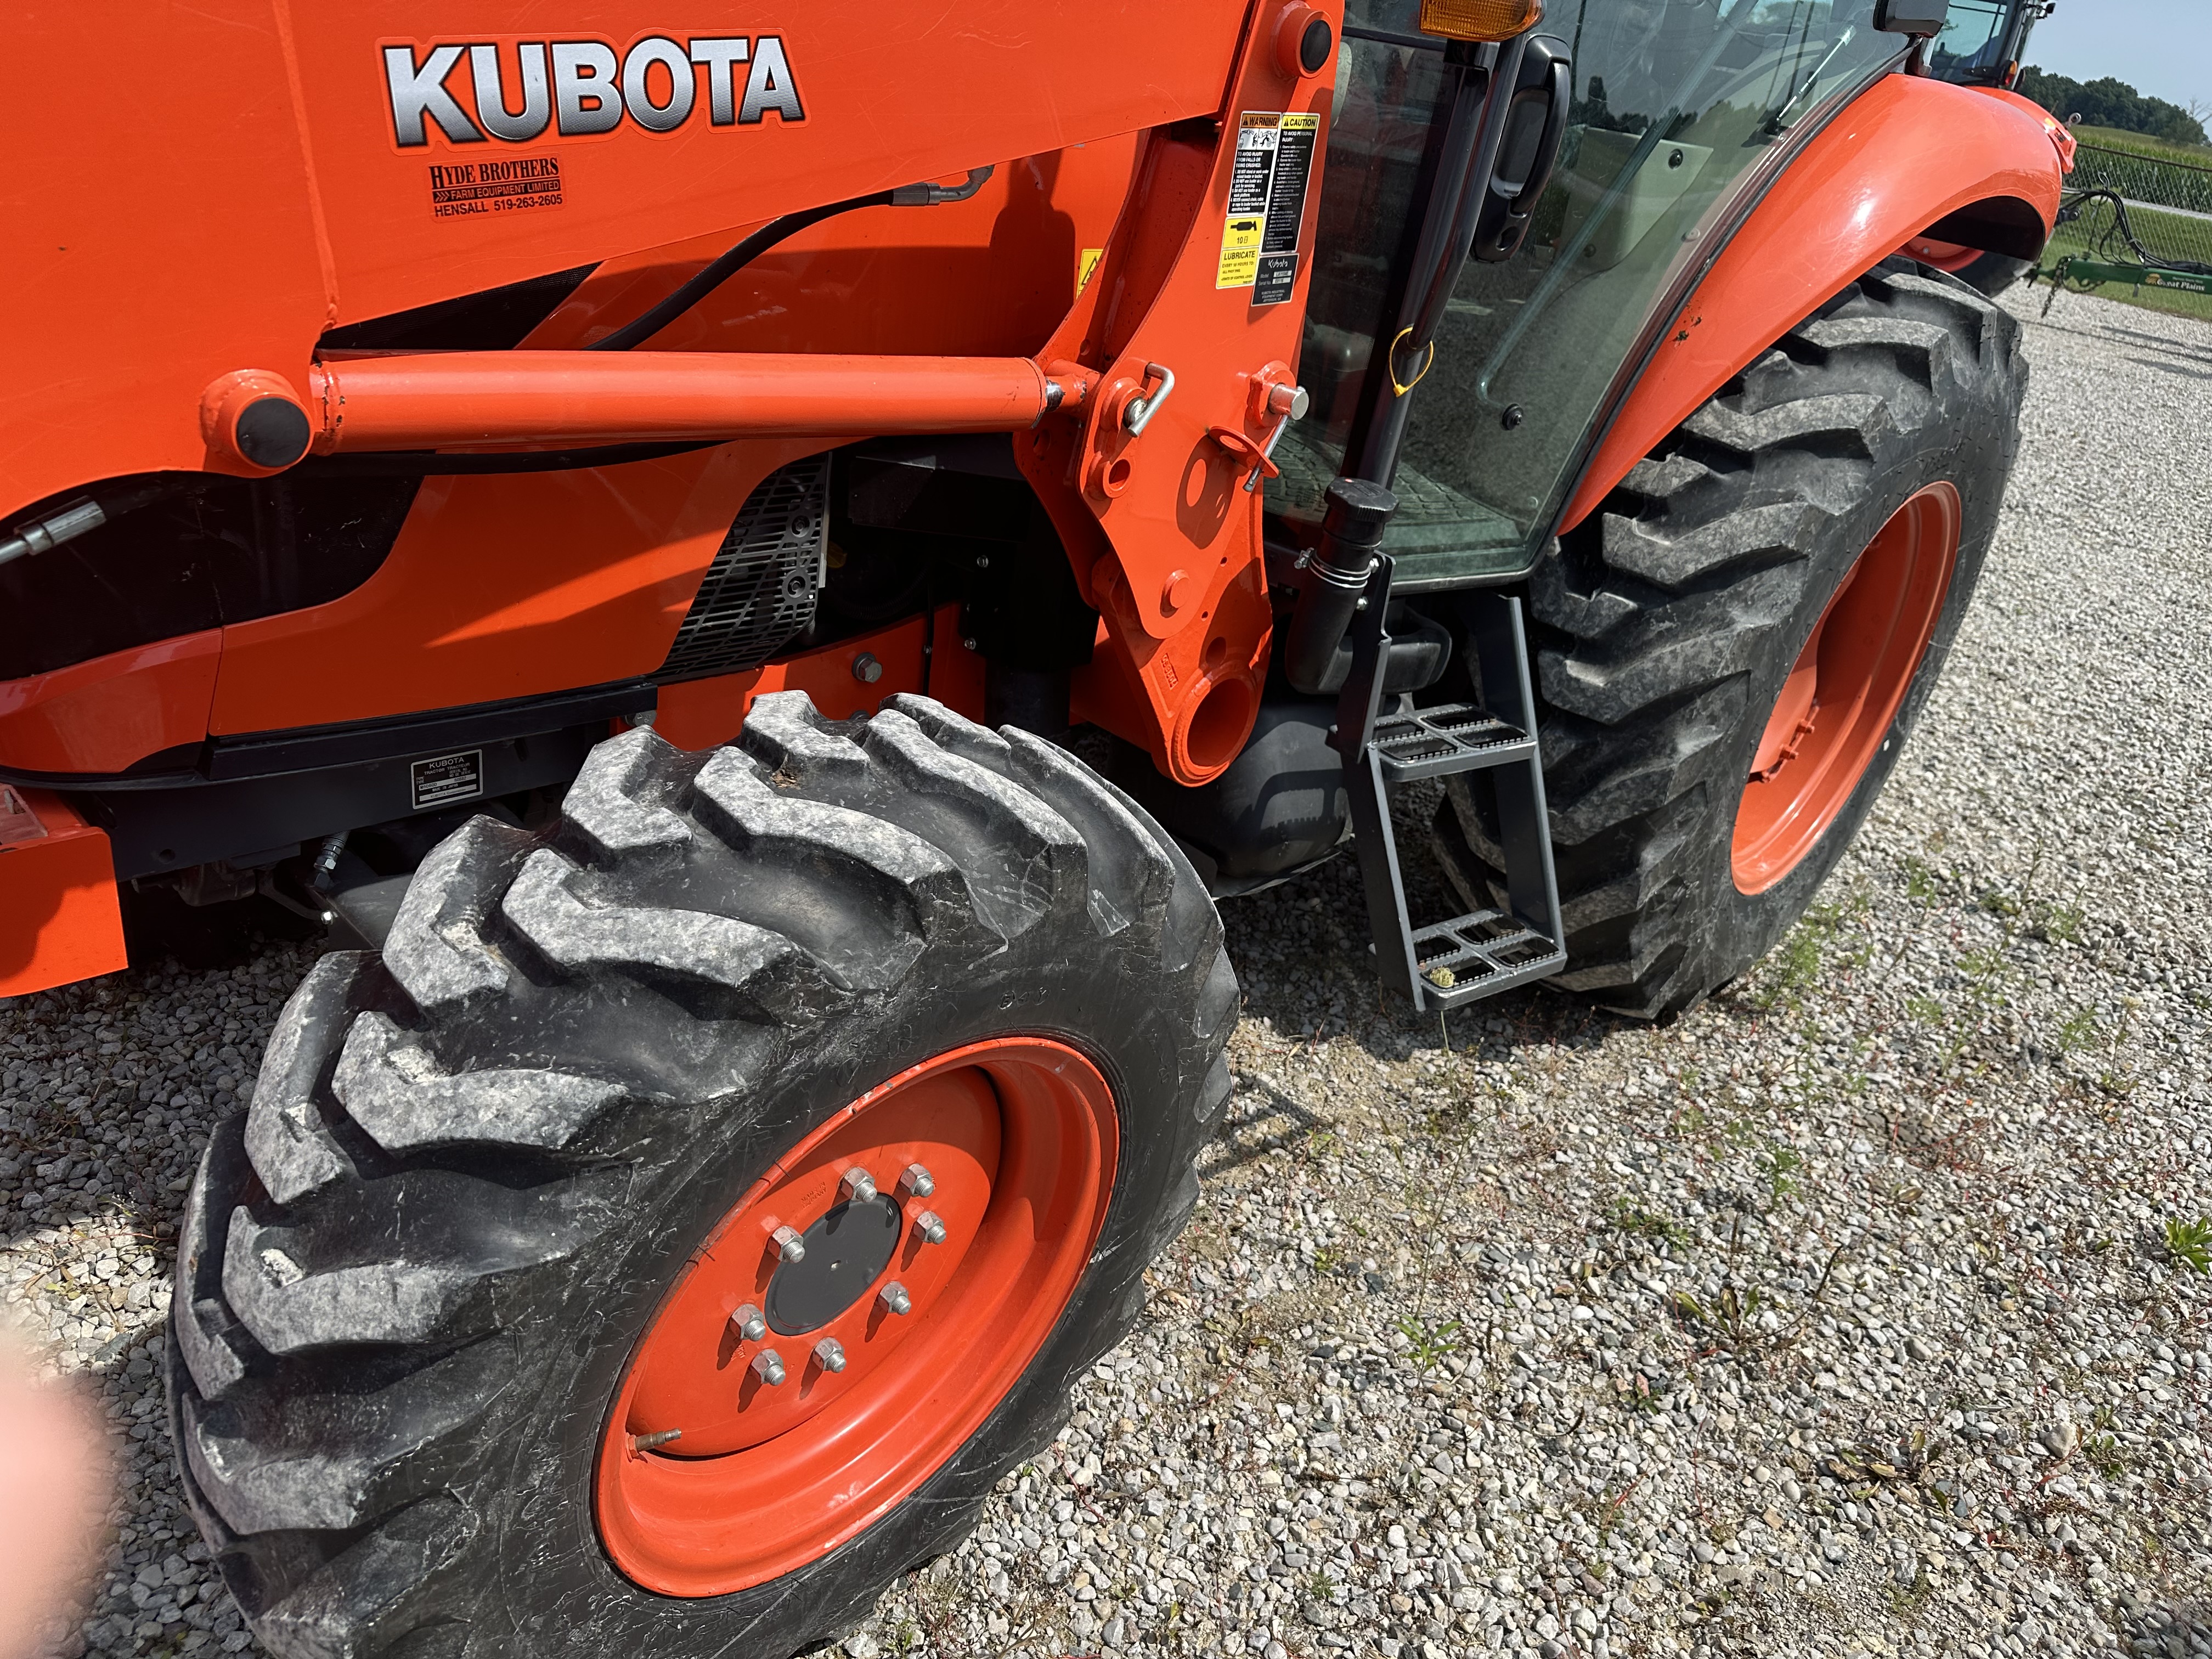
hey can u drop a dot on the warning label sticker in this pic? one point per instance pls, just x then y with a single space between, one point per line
462 189
448 778
1267 204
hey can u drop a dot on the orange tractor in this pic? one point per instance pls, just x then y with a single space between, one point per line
612 521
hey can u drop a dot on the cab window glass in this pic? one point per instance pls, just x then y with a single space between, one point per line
1674 101
1971 46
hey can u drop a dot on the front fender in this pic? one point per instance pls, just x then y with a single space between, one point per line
1907 155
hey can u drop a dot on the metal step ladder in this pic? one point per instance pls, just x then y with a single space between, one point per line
1443 964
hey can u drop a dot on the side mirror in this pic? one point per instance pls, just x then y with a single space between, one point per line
1920 19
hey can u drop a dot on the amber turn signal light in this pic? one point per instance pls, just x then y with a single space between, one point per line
1479 20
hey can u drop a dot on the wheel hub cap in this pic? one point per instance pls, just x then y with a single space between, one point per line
846 1251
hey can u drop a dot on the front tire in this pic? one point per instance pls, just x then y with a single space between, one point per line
487 1179
1676 627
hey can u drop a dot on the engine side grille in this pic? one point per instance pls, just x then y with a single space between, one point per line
759 593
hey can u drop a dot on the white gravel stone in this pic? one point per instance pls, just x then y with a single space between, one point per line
1836 1316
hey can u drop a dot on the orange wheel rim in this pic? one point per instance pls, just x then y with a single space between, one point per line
1842 696
992 1167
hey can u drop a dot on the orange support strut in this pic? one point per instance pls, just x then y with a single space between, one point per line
431 400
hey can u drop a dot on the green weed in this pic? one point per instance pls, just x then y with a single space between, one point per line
1908 1602
2190 1242
2056 924
2105 1454
1781 1163
1430 1343
1639 1223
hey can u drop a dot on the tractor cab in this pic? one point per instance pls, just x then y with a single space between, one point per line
1984 42
1677 114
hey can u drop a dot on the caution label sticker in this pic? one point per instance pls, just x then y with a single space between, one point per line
1267 204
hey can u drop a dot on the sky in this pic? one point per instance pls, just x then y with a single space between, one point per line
2162 47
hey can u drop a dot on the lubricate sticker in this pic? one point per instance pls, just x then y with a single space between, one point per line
448 778
461 189
1086 266
1267 204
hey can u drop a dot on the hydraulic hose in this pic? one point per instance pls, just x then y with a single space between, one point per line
642 328
1336 573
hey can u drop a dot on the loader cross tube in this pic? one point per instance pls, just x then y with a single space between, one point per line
475 400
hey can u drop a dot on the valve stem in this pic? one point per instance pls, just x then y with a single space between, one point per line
646 1443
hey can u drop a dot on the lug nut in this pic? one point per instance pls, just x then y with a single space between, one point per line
918 1180
789 1245
830 1354
768 1365
860 1186
748 1323
895 1298
931 1226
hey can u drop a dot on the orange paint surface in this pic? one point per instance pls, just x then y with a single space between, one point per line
111 712
700 714
259 171
59 921
501 587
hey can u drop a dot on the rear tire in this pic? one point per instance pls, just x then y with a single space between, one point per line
413 1276
1671 619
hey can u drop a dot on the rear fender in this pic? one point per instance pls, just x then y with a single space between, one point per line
1910 155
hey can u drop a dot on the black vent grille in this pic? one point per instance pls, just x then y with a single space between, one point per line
759 593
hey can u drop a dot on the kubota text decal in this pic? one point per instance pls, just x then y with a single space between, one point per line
576 88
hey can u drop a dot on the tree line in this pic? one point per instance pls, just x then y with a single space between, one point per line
2109 102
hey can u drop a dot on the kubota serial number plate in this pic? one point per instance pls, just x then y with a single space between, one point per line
444 779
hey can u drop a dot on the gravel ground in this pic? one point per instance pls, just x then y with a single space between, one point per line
1846 1313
